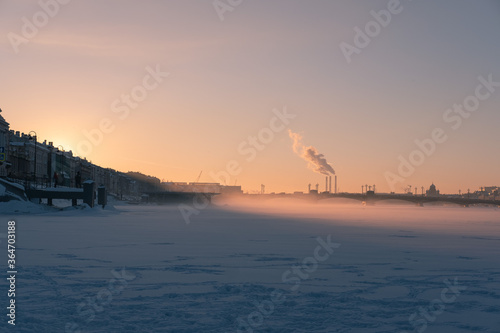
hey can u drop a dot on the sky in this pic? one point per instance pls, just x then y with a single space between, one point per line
175 88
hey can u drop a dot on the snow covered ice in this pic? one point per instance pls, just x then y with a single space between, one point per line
256 267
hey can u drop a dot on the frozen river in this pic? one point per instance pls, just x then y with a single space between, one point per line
268 267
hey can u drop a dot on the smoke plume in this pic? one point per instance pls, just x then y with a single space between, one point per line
317 162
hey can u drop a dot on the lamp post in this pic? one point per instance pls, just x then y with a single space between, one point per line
36 139
61 162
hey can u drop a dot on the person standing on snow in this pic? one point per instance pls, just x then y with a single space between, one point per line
56 178
78 179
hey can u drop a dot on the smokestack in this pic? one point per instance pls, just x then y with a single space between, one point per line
317 187
326 184
330 187
335 183
309 187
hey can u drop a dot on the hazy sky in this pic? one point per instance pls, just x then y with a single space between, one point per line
226 77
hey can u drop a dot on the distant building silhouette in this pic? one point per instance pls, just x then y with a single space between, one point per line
201 187
491 192
432 191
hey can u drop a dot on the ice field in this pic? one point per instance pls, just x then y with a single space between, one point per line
256 267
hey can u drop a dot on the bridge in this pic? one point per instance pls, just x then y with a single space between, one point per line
420 200
372 198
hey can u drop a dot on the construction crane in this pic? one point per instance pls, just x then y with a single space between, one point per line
198 179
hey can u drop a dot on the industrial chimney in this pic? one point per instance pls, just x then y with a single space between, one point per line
335 183
326 184
330 187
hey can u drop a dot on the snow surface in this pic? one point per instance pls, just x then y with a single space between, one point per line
212 274
19 186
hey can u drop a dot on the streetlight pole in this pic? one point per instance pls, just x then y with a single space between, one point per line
36 139
61 162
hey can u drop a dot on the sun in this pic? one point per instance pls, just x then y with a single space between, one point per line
62 143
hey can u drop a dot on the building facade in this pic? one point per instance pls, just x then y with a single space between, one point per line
4 145
25 160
